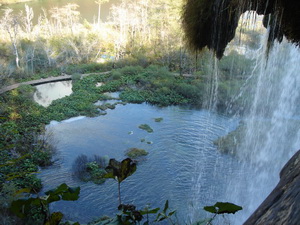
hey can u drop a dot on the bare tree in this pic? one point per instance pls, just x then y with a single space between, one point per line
99 3
28 19
66 16
11 25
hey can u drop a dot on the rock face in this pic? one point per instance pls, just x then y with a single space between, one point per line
282 206
212 23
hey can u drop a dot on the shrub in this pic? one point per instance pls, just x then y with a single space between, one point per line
90 169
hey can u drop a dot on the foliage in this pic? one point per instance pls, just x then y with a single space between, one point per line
120 171
222 208
90 169
165 214
27 208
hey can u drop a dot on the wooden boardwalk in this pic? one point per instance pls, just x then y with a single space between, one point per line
44 81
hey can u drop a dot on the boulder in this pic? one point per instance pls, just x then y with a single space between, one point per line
282 206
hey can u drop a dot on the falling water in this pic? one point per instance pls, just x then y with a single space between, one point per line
272 132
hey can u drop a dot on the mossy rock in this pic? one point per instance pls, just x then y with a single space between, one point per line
146 127
229 144
110 106
135 153
159 119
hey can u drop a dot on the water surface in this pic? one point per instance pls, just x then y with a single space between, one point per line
182 148
46 93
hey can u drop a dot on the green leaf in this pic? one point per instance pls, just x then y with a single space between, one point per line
18 207
171 213
222 208
72 194
160 217
149 211
55 218
120 170
203 222
64 192
166 206
128 167
211 209
21 191
227 207
21 207
61 188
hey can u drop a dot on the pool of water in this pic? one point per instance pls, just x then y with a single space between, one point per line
46 93
181 154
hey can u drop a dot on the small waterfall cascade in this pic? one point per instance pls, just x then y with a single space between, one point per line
271 134
272 127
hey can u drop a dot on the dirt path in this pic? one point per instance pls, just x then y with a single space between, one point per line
44 81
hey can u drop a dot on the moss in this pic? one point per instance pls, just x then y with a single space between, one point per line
136 153
146 127
158 119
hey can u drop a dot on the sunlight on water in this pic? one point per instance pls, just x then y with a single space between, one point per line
46 93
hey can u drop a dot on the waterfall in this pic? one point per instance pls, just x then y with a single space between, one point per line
272 132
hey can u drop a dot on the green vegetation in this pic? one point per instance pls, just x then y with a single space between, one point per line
90 169
22 120
135 153
35 210
120 171
148 63
146 127
158 119
220 208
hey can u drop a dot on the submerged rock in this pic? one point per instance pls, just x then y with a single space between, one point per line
231 142
146 127
135 153
282 206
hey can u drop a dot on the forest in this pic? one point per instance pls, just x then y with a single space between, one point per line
142 46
